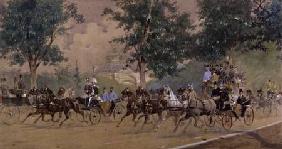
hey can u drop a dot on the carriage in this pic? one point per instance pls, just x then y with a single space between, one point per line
268 105
98 108
206 114
227 117
13 105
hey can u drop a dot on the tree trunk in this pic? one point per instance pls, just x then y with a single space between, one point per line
142 74
33 75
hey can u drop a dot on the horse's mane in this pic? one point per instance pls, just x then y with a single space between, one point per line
128 93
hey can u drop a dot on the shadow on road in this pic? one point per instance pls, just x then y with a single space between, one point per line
263 141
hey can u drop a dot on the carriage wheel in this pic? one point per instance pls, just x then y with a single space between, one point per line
119 111
249 117
95 116
10 115
227 121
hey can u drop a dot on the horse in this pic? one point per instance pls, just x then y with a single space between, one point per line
150 105
132 107
196 108
51 106
174 104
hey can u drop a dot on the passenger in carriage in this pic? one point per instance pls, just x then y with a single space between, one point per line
104 95
207 75
260 98
250 96
87 87
224 97
243 101
216 95
112 97
270 88
94 91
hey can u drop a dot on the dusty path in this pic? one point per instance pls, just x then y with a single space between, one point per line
106 135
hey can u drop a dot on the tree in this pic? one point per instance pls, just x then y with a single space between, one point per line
29 29
157 35
227 24
271 16
224 24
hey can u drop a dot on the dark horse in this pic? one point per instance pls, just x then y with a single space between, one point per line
132 107
50 106
151 104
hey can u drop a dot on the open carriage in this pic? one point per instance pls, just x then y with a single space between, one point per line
98 108
228 116
13 105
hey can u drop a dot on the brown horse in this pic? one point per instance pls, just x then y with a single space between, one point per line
51 106
152 104
62 106
132 107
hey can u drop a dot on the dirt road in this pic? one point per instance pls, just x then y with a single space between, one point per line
76 135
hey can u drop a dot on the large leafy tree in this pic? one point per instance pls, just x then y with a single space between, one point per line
29 29
224 23
270 16
229 23
157 35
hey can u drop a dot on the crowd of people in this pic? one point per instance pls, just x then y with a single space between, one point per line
226 86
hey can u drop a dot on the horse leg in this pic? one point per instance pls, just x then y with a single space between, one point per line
123 117
160 118
29 115
78 111
42 118
52 117
134 116
41 115
60 114
81 113
135 122
179 122
175 119
146 121
66 118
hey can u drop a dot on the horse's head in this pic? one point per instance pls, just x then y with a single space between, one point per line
126 93
61 91
180 91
